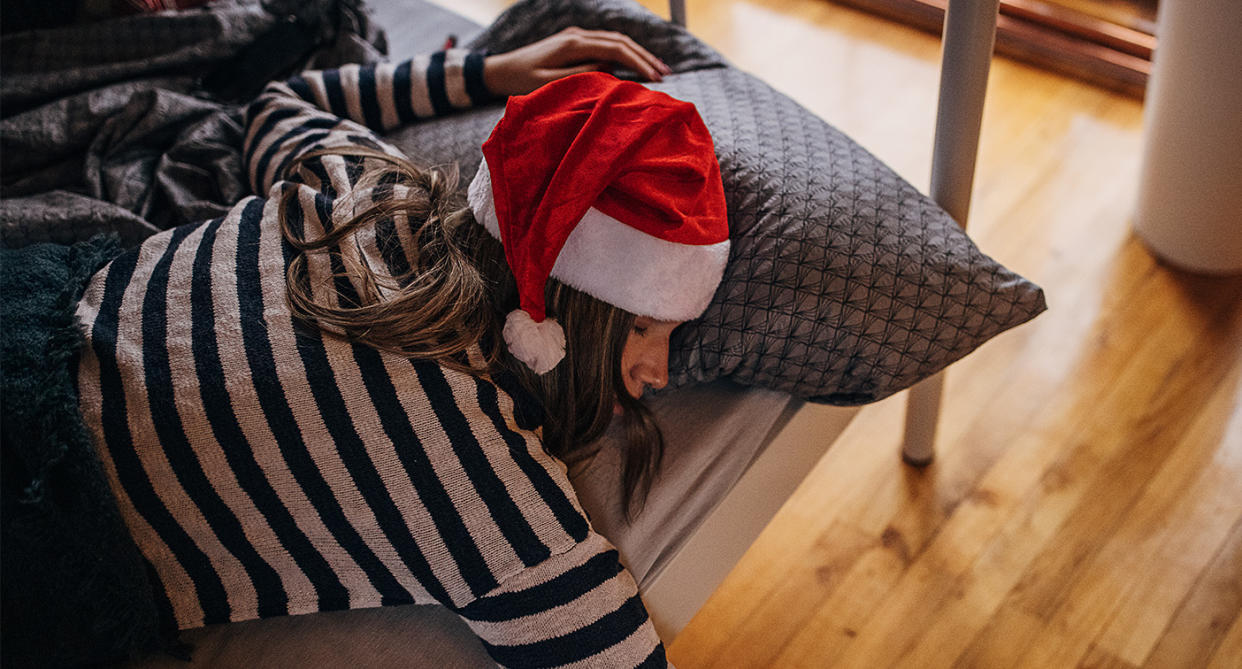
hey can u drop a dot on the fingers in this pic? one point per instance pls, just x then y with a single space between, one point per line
571 51
604 45
634 47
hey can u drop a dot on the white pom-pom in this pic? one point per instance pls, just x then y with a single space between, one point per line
539 345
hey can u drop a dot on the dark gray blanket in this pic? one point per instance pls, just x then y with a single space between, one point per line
133 125
75 588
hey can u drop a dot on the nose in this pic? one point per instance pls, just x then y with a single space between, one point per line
652 367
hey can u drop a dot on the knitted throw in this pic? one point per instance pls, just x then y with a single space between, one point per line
75 588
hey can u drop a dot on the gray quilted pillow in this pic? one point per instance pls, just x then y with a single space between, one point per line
844 284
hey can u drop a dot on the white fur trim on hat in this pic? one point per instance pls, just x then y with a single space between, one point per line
642 274
622 265
482 204
540 345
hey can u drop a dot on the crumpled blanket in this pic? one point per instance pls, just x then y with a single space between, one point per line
133 125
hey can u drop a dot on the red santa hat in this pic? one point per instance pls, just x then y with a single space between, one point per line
612 189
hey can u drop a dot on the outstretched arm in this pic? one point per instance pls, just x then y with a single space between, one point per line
347 107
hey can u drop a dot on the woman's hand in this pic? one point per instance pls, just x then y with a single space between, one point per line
571 51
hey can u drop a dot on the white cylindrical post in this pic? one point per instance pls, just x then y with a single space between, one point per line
922 416
677 12
969 35
1190 191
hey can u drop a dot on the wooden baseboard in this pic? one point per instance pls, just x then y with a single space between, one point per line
1043 34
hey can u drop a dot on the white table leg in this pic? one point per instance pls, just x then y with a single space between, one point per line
969 35
677 12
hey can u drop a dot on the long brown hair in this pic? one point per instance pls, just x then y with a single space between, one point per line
455 294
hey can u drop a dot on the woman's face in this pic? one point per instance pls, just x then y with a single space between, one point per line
644 360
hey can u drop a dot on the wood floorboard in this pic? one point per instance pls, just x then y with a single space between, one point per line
1204 617
892 642
1085 508
1227 654
1135 406
1176 538
1100 659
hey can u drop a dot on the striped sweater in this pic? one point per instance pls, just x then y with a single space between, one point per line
264 470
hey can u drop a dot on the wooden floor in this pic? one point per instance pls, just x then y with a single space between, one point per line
1086 506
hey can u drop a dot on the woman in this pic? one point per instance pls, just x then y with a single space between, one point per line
332 397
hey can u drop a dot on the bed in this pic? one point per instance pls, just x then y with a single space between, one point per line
740 450
739 442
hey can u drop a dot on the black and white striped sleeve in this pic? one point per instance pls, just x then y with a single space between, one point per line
580 608
346 107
